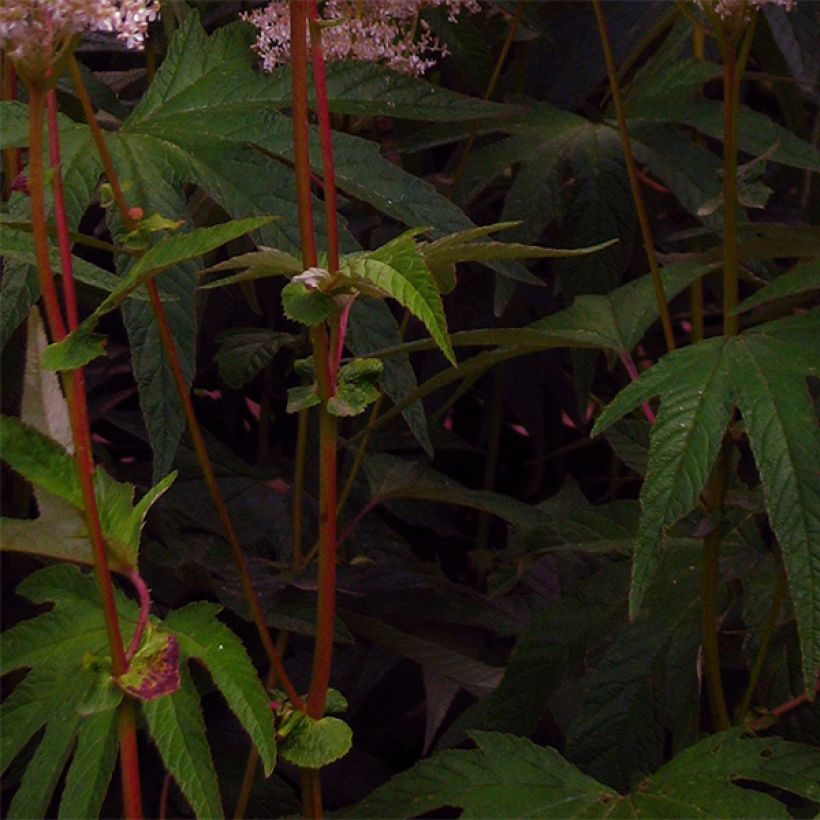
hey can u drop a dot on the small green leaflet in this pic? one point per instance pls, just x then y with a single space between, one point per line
763 373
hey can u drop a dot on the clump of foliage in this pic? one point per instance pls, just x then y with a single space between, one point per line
441 443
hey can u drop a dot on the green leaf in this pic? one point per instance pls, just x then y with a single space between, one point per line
91 768
762 371
768 376
509 776
205 638
306 305
505 777
356 388
315 743
643 695
62 688
302 397
261 264
18 245
803 278
756 132
176 726
398 270
82 346
245 351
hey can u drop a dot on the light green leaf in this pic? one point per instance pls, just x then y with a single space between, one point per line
410 284
356 388
205 638
91 769
259 264
176 726
75 351
315 743
309 306
302 397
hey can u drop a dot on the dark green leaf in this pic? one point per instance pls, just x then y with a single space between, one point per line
245 352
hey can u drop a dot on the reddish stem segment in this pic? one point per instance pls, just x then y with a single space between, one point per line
78 412
629 364
145 610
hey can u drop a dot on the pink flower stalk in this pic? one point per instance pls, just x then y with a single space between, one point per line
33 32
364 30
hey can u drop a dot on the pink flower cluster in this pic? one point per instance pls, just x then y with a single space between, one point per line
365 30
28 28
727 9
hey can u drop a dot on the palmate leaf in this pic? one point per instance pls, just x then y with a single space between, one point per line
69 690
803 278
763 373
509 776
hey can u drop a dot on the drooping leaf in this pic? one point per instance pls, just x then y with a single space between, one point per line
176 726
202 636
763 372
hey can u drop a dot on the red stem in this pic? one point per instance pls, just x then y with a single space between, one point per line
78 412
792 704
627 361
145 610
169 346
325 139
325 369
63 239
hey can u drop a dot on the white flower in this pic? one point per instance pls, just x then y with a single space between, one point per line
32 31
363 30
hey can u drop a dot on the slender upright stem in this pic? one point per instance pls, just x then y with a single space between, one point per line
637 196
144 596
730 258
696 288
299 460
763 650
194 429
491 460
499 65
78 413
710 579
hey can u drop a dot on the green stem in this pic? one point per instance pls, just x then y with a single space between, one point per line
80 430
194 429
730 257
710 579
763 651
733 64
499 65
637 196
